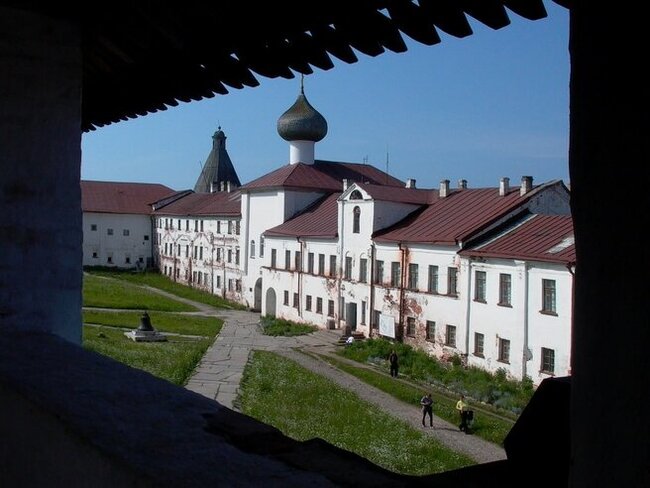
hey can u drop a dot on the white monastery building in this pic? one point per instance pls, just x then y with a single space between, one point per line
485 274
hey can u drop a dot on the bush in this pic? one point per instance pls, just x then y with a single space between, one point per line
279 327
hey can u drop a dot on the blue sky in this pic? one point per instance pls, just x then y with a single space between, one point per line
491 105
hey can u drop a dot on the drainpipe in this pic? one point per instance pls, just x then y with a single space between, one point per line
572 271
299 271
371 281
401 292
339 271
212 264
468 306
524 362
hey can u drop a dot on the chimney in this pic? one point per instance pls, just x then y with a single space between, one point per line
221 186
212 187
410 183
228 186
345 184
504 186
462 184
526 185
444 188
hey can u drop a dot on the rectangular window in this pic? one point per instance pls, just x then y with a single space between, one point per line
298 261
165 253
230 227
363 312
319 305
479 339
330 308
310 263
218 255
237 256
395 274
452 281
287 259
548 297
261 246
379 272
193 276
308 302
432 286
218 226
375 319
431 330
348 267
332 265
252 249
93 227
237 227
295 300
179 225
196 226
548 361
187 251
410 326
178 249
198 277
480 279
146 237
504 350
230 287
286 297
321 264
363 270
450 339
109 232
342 308
218 281
413 277
505 290
187 224
274 258
230 255
196 252
127 259
201 252
95 254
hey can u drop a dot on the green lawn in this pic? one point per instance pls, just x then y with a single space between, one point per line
173 360
104 293
164 322
156 280
486 424
304 405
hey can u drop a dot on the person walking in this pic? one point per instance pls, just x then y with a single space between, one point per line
463 410
427 409
394 366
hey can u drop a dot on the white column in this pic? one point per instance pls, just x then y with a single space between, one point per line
40 160
301 152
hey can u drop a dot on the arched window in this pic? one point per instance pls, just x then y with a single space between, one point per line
261 246
252 249
356 195
356 218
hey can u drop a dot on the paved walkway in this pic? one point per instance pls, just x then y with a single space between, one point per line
219 373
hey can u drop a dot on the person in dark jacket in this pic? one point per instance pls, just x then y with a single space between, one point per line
394 366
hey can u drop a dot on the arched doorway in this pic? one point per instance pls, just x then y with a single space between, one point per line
270 302
257 305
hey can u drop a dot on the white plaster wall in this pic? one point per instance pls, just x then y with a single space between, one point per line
137 246
296 201
549 331
388 213
552 201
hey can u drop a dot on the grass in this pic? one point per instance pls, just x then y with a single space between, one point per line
279 327
157 280
507 396
103 293
164 322
304 405
173 360
486 425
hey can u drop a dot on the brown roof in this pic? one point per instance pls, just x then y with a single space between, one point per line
218 203
116 197
456 217
141 57
402 195
322 175
546 238
318 220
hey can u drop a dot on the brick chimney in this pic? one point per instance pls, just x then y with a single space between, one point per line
504 186
410 183
526 185
444 188
462 184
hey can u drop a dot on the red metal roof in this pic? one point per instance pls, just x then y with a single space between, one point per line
546 238
318 220
322 175
218 203
402 195
456 217
117 197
